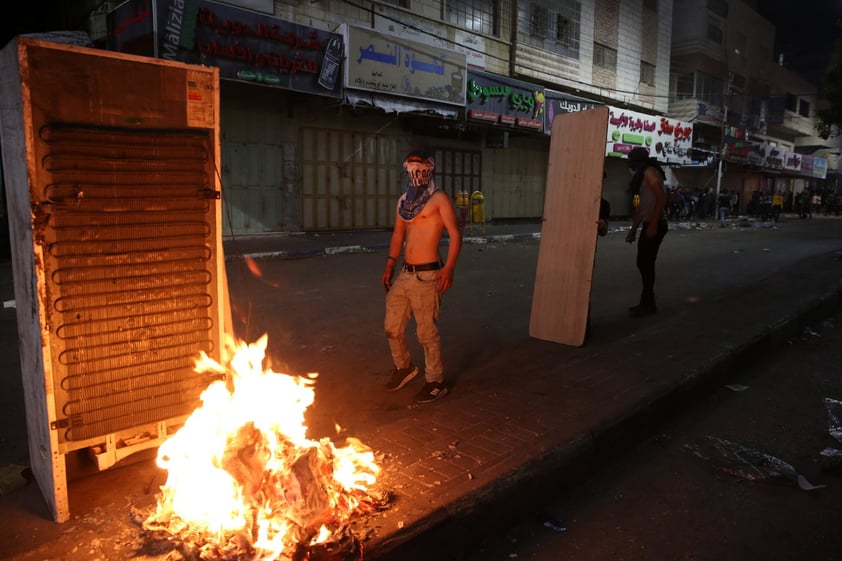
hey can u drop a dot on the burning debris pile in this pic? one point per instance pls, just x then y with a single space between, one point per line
244 482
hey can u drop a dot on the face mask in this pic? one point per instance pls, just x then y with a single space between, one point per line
419 171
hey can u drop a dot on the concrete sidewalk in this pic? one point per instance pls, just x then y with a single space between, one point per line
295 245
530 417
510 442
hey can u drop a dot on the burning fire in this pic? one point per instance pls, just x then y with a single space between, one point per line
244 481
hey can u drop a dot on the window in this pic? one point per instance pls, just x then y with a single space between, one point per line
538 17
552 25
647 73
684 86
701 86
562 28
398 3
714 33
791 102
651 5
480 16
709 89
605 57
803 107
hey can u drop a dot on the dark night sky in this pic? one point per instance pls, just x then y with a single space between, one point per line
28 20
806 32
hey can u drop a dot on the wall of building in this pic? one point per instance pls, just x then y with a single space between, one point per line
292 162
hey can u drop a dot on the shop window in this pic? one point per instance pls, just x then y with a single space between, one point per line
480 16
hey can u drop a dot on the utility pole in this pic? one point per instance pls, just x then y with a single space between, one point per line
725 100
719 172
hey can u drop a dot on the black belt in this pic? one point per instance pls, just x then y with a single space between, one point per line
434 266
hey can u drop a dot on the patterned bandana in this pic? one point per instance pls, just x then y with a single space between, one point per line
419 170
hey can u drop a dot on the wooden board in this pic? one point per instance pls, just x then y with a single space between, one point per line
561 297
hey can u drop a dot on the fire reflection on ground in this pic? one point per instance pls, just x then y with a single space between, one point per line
244 481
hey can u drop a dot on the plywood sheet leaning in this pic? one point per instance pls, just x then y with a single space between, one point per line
561 297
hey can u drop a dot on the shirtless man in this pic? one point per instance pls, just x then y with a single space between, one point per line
648 182
422 214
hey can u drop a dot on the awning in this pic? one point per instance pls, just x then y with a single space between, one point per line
394 104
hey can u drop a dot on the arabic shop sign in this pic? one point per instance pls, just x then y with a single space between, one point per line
245 46
769 157
742 151
792 162
388 64
774 157
778 159
503 101
667 139
813 166
558 103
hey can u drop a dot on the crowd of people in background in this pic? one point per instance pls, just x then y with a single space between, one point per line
701 204
805 204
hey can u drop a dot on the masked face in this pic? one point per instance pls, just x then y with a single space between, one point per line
419 171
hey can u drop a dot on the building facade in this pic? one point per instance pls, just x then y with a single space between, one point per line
294 158
321 100
754 120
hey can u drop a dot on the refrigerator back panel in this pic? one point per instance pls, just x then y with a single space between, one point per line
111 168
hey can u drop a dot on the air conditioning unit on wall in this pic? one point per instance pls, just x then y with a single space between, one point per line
115 225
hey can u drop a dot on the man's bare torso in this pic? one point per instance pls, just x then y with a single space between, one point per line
423 233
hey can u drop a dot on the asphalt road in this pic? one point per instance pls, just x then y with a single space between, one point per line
660 501
324 314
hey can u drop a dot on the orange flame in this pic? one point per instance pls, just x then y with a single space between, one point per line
242 473
257 272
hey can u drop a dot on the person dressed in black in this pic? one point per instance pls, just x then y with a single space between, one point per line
723 207
601 231
648 182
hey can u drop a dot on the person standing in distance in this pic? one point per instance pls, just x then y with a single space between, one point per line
422 214
648 182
